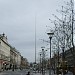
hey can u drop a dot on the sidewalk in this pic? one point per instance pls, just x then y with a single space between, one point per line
41 74
47 73
52 73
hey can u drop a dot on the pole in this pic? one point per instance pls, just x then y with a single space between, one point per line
40 63
44 61
72 7
54 62
63 59
50 57
35 39
35 44
58 59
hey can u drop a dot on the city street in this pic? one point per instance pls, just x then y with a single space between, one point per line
24 72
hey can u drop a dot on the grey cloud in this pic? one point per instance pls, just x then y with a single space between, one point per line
17 21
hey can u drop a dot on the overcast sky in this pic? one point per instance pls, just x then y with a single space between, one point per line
17 21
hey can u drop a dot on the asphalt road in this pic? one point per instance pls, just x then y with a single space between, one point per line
24 72
14 72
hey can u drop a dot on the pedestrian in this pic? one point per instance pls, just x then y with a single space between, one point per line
28 73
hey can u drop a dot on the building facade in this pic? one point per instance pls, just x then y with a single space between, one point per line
70 56
10 58
15 59
4 53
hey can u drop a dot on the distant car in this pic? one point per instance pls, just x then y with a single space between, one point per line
34 69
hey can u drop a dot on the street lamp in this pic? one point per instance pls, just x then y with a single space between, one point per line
40 62
50 37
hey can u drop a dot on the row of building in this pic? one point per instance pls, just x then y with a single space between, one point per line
61 60
10 58
69 59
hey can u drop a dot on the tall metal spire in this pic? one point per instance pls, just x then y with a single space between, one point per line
35 39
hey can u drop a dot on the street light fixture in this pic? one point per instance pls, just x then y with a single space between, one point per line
40 62
50 37
43 60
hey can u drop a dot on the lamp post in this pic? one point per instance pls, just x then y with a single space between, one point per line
40 62
63 60
43 60
50 37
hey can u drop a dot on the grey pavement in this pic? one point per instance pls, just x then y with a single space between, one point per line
52 73
13 73
47 73
24 72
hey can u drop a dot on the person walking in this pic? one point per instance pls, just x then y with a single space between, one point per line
28 73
